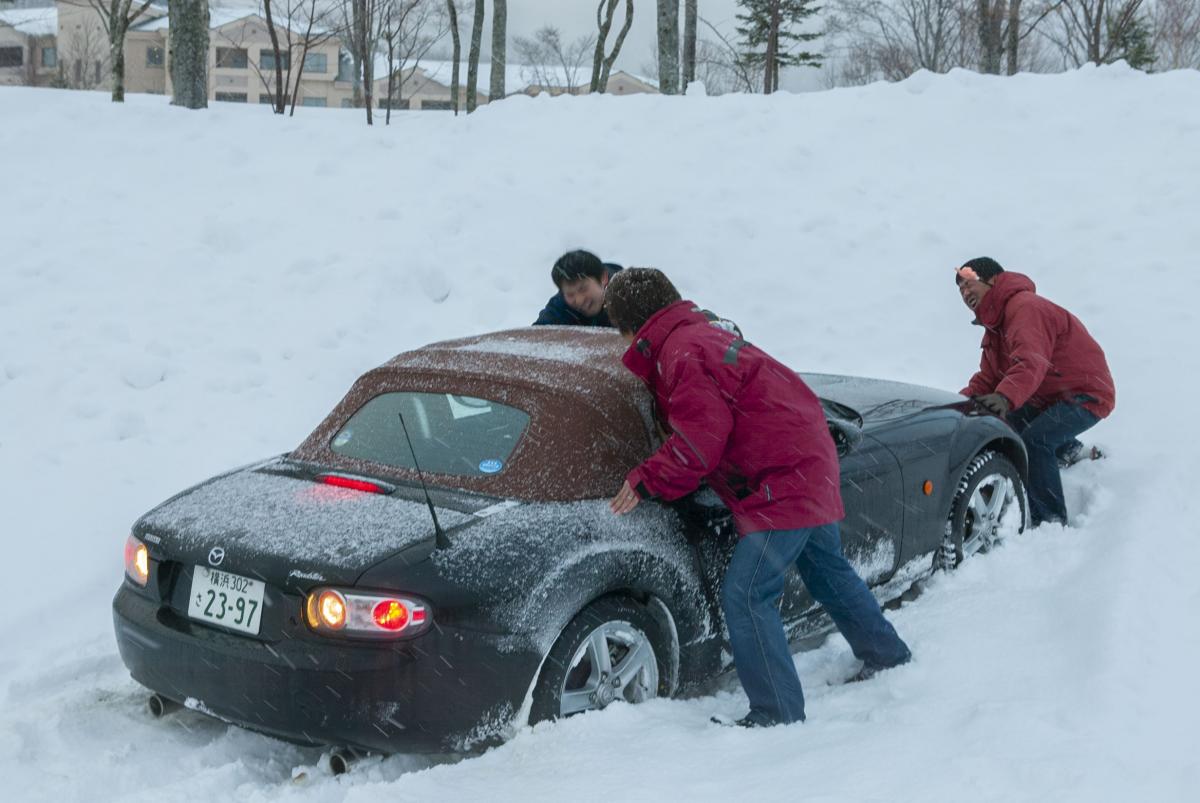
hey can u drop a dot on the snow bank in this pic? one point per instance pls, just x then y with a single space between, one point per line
185 292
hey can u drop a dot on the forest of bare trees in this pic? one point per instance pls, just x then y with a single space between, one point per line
836 42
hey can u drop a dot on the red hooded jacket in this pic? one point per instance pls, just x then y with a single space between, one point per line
743 422
1034 351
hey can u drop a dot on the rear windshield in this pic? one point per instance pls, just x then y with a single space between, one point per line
450 434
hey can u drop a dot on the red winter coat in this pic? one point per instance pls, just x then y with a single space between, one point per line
739 420
1034 351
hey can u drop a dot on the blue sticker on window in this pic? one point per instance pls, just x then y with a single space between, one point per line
490 466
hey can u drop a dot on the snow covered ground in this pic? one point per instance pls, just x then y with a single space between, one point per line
183 292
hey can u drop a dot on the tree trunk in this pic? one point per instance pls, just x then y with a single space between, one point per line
499 48
991 15
616 51
278 103
690 15
116 49
668 47
1014 36
188 53
473 56
604 19
453 12
769 67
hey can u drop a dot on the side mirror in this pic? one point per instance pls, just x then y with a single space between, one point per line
846 435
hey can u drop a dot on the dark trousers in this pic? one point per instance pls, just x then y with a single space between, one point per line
1045 432
750 598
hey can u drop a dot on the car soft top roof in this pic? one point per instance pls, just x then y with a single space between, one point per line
590 419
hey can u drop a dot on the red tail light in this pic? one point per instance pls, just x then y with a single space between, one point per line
391 615
340 612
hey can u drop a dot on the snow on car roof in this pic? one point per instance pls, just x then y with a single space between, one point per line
590 417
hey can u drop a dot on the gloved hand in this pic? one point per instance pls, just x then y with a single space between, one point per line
993 403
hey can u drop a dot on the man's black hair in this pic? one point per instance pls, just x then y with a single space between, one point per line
575 265
985 268
635 294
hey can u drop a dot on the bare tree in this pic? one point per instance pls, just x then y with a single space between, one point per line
188 37
551 64
83 58
1100 31
409 29
1177 33
989 19
892 40
473 56
721 65
691 13
668 47
452 14
499 48
601 63
116 16
364 19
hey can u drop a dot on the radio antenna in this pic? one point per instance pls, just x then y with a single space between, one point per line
440 538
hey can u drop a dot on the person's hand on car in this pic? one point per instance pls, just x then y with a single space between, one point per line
994 403
625 500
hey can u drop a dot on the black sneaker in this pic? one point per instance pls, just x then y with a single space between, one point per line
751 720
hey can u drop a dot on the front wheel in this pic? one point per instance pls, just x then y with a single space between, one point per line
612 650
989 494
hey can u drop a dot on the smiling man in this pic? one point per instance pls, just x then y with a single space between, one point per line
580 277
1040 369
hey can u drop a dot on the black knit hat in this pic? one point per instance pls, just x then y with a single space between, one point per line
985 268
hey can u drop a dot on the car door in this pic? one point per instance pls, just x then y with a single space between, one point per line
873 496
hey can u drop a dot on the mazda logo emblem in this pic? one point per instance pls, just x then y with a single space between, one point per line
216 555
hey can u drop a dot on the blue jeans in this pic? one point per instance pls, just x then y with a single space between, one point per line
1045 432
750 598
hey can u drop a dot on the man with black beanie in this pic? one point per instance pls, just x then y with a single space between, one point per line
1040 369
580 277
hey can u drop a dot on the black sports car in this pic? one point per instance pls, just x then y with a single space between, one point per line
326 597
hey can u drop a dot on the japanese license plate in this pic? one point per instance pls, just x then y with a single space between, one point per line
229 600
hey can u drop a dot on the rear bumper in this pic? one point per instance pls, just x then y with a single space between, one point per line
449 689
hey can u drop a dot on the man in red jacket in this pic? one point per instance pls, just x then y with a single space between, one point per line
1040 369
749 427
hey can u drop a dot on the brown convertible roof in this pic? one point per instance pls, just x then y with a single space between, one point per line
590 418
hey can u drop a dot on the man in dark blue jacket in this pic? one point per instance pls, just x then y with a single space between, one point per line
581 278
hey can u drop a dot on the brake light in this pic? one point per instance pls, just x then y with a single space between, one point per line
354 484
137 561
391 614
335 612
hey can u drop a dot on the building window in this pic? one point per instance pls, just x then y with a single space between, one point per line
317 102
12 56
437 105
232 58
345 66
154 57
316 63
266 60
397 105
347 103
49 57
231 97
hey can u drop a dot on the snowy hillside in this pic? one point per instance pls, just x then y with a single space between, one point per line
184 292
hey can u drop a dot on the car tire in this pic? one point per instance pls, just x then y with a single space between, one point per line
985 494
614 649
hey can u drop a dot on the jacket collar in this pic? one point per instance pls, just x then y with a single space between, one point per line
642 354
990 313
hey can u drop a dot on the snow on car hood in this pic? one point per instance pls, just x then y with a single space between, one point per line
273 526
878 399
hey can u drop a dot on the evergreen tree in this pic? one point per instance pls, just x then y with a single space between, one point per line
1135 44
770 38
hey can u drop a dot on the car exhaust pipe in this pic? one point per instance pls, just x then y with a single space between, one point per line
340 761
160 706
